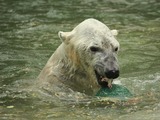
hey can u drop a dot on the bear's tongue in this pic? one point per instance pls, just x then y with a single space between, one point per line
109 81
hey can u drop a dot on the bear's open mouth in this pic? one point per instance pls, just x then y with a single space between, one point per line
103 80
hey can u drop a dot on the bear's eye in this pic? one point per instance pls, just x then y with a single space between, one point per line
116 49
94 49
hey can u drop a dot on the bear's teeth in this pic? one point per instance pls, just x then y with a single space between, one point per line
104 79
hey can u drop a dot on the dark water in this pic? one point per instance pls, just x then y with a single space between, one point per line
28 37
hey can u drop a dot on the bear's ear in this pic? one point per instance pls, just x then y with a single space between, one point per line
64 36
114 32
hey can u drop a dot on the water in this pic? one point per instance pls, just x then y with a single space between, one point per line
28 37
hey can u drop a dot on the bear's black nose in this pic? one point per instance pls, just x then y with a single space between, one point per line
112 74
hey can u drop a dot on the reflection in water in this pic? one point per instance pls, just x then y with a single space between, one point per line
28 37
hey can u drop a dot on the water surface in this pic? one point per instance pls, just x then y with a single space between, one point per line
28 37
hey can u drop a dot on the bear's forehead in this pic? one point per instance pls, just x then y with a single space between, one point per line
93 28
102 40
94 32
97 36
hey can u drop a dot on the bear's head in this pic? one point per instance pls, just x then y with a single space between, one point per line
93 49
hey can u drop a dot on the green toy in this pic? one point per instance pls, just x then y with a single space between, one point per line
117 91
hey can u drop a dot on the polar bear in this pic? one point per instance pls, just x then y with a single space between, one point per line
85 61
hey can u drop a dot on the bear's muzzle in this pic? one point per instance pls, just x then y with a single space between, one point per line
105 78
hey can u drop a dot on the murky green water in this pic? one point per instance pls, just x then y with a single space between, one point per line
28 37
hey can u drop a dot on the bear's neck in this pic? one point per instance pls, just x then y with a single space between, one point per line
65 66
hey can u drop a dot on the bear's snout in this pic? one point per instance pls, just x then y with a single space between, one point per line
112 74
